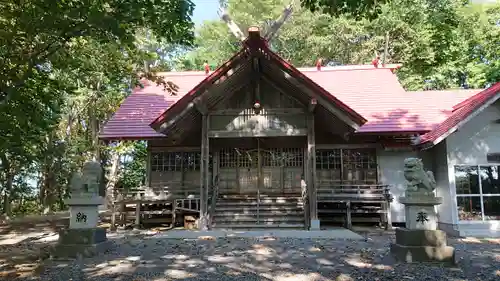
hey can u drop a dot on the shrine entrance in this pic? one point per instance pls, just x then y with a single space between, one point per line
260 171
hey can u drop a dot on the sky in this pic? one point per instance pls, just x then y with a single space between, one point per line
205 10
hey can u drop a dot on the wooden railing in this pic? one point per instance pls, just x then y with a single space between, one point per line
166 200
356 198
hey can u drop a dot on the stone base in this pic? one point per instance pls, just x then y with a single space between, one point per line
315 225
74 243
416 245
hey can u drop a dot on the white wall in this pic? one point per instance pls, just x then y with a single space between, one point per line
470 145
440 168
390 165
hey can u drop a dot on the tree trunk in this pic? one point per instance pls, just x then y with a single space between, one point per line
112 178
9 179
48 186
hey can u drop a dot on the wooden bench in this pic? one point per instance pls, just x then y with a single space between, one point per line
153 205
362 200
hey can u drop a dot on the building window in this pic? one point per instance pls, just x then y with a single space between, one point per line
347 166
177 161
478 192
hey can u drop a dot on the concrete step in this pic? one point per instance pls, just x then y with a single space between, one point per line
261 202
254 197
261 213
252 220
265 199
253 209
259 226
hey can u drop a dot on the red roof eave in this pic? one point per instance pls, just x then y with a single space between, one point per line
461 115
189 97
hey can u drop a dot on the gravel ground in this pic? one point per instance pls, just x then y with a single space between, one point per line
144 257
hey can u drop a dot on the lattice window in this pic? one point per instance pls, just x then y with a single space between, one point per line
192 161
166 161
247 158
351 166
328 159
359 165
177 161
272 158
228 158
293 157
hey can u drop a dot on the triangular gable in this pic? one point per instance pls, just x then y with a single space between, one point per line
257 45
297 74
462 113
187 99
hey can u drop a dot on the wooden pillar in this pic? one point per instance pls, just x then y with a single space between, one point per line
203 222
311 179
147 181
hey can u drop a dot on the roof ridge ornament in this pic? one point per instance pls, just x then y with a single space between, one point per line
270 33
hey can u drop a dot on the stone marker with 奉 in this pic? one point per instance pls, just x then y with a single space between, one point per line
83 237
420 241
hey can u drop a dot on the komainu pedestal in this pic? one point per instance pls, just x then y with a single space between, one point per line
420 241
83 237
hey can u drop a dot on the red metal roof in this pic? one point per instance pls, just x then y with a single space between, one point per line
365 93
205 82
374 93
256 42
459 114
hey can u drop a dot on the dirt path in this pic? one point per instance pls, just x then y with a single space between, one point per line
144 256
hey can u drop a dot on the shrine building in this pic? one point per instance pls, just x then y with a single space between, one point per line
261 143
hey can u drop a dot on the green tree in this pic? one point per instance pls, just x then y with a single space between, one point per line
358 8
65 68
441 44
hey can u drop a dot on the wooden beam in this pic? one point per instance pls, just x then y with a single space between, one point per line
148 165
274 111
311 157
256 78
167 125
257 133
201 105
215 88
203 220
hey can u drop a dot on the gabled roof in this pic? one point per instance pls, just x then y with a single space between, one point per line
388 108
203 84
461 114
255 43
364 92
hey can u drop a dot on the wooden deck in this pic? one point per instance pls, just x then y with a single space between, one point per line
337 203
152 205
364 203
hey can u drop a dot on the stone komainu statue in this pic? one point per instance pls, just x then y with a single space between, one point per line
88 182
417 179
